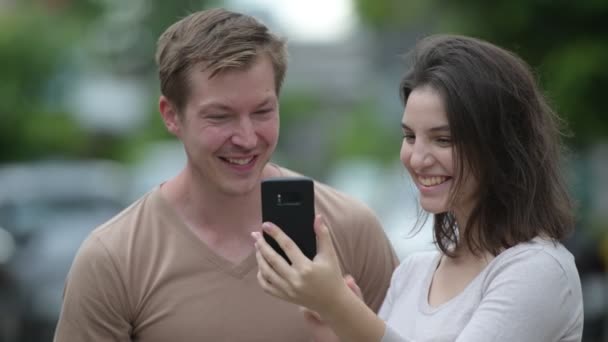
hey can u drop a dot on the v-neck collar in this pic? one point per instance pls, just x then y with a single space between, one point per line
237 270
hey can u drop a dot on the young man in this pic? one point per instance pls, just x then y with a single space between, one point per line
179 263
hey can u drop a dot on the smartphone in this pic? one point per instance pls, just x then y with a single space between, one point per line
289 203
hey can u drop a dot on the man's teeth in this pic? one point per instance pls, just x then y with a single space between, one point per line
430 181
239 161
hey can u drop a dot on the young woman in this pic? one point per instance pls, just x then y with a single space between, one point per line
483 147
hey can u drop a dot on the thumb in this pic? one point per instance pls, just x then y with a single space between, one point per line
311 316
324 244
352 285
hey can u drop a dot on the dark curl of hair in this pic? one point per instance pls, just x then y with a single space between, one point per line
505 135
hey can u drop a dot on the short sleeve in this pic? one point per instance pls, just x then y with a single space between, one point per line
95 301
530 297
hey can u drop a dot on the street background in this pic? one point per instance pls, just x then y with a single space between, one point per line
81 136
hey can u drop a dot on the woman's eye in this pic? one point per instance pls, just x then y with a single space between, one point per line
444 141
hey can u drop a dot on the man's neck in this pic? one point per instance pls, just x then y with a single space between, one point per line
205 207
222 221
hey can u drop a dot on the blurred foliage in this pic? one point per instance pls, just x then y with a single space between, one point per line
33 45
388 15
318 130
44 44
298 104
363 135
565 41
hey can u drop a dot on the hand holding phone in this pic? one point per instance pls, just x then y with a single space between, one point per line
289 203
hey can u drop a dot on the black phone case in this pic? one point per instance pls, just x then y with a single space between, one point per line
289 204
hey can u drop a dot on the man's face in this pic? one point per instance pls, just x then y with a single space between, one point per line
229 126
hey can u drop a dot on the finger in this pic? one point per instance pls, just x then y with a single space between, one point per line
311 316
268 287
276 261
264 276
256 236
290 248
270 275
352 285
324 243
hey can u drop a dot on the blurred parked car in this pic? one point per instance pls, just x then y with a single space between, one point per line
9 323
49 208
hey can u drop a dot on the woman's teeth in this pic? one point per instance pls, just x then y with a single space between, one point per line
431 181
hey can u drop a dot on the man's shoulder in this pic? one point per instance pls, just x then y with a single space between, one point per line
123 224
349 218
330 198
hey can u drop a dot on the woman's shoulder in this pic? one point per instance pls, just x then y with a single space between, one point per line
538 251
537 278
539 259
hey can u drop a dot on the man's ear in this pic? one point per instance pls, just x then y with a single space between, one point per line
170 115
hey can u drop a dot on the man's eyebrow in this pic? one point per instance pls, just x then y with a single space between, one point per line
222 106
212 106
265 102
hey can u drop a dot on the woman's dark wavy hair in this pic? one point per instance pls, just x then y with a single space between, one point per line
505 134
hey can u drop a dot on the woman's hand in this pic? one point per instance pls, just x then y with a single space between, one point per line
315 284
320 330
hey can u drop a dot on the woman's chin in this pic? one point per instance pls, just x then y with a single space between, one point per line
434 208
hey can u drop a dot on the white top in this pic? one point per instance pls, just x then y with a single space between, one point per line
530 292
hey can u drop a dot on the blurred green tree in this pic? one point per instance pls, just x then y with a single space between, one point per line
565 41
39 41
33 44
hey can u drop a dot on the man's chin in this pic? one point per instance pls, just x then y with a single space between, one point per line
240 187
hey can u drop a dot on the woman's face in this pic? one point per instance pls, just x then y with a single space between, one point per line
428 154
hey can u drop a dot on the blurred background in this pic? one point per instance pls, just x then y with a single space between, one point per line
81 137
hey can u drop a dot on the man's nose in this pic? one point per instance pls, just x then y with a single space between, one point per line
244 135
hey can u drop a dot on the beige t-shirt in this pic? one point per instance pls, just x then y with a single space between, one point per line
145 276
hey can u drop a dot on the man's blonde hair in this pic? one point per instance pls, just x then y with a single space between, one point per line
215 40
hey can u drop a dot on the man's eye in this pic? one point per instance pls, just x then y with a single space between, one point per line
262 111
409 138
217 116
